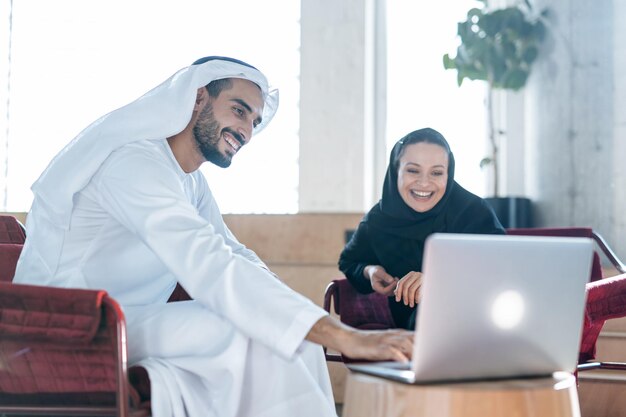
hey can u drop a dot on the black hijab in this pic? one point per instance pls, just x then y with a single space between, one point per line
392 234
392 214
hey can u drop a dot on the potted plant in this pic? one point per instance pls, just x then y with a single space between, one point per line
499 46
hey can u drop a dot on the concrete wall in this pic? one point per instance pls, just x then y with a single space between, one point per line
342 102
573 135
618 186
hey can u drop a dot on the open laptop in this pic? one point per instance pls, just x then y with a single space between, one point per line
495 307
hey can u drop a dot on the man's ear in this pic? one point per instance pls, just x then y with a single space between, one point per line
202 97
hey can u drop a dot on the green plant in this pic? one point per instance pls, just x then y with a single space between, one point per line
498 46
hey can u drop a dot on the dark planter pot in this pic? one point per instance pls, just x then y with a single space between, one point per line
512 211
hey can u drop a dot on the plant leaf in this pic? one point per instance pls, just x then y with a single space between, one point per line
448 63
547 13
530 54
497 46
514 79
530 6
540 31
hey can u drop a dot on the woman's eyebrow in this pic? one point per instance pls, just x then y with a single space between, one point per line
418 165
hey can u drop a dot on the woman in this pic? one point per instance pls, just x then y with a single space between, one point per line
420 197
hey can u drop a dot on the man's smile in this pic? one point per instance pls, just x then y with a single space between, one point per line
230 140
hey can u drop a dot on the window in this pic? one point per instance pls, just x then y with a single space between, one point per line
422 94
72 61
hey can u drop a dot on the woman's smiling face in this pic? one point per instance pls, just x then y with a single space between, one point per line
422 175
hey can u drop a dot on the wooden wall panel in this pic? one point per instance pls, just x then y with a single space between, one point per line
308 280
294 239
602 395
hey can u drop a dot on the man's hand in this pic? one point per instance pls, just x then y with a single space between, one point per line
381 281
395 345
408 289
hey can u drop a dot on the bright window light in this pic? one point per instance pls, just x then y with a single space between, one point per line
422 94
73 61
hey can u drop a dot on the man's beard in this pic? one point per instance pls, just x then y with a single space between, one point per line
207 135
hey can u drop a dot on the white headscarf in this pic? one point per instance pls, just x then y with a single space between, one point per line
160 113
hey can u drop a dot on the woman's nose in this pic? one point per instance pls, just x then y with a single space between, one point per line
422 179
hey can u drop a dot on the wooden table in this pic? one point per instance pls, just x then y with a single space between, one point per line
368 396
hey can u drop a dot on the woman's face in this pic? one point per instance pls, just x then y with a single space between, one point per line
423 175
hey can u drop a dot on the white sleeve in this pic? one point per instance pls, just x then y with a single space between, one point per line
145 195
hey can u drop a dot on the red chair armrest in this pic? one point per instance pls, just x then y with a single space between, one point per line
59 315
606 298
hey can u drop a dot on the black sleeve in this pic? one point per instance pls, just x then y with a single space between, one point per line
356 255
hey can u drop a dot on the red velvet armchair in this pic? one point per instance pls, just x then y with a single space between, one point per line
62 350
606 299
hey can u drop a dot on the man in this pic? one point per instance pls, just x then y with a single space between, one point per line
124 208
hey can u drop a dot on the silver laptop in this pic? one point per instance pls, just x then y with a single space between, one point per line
496 307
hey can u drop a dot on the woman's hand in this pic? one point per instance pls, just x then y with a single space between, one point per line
381 281
408 289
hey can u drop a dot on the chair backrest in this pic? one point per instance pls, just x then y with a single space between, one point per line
9 254
11 230
362 311
596 267
12 238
